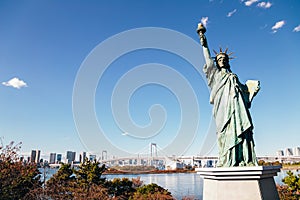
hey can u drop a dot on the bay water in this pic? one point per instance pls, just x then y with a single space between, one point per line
181 185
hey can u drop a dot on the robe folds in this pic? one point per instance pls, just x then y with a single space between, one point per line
234 126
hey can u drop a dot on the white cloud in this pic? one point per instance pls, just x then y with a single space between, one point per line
264 5
204 21
250 2
297 28
231 13
15 83
278 25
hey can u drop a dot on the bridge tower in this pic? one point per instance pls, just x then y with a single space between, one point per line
153 155
153 150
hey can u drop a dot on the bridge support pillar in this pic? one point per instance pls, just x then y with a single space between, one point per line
239 183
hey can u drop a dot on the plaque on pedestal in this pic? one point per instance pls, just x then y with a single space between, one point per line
239 183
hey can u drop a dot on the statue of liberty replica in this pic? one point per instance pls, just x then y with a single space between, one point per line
231 101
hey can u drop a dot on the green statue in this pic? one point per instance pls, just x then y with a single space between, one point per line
231 102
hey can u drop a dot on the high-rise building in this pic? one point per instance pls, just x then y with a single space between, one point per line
288 152
58 158
35 156
38 155
82 156
279 153
296 151
52 158
70 156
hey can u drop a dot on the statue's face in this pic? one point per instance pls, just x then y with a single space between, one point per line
222 61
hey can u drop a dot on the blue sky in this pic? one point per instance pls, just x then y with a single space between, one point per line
43 46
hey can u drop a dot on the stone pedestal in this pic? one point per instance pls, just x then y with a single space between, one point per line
239 183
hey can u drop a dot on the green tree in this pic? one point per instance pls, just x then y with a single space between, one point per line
68 183
293 183
89 181
152 192
120 188
90 173
59 186
16 177
62 176
291 188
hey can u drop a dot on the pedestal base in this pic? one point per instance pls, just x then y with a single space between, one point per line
240 183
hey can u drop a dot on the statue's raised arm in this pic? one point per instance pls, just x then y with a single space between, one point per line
201 30
209 68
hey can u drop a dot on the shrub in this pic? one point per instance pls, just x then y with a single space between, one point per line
84 183
152 192
16 177
291 189
120 188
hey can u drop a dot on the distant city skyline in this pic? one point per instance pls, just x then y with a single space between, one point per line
287 151
118 75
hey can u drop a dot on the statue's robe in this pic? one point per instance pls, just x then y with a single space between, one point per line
234 126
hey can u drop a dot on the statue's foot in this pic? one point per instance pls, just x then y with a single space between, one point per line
250 164
242 164
219 165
